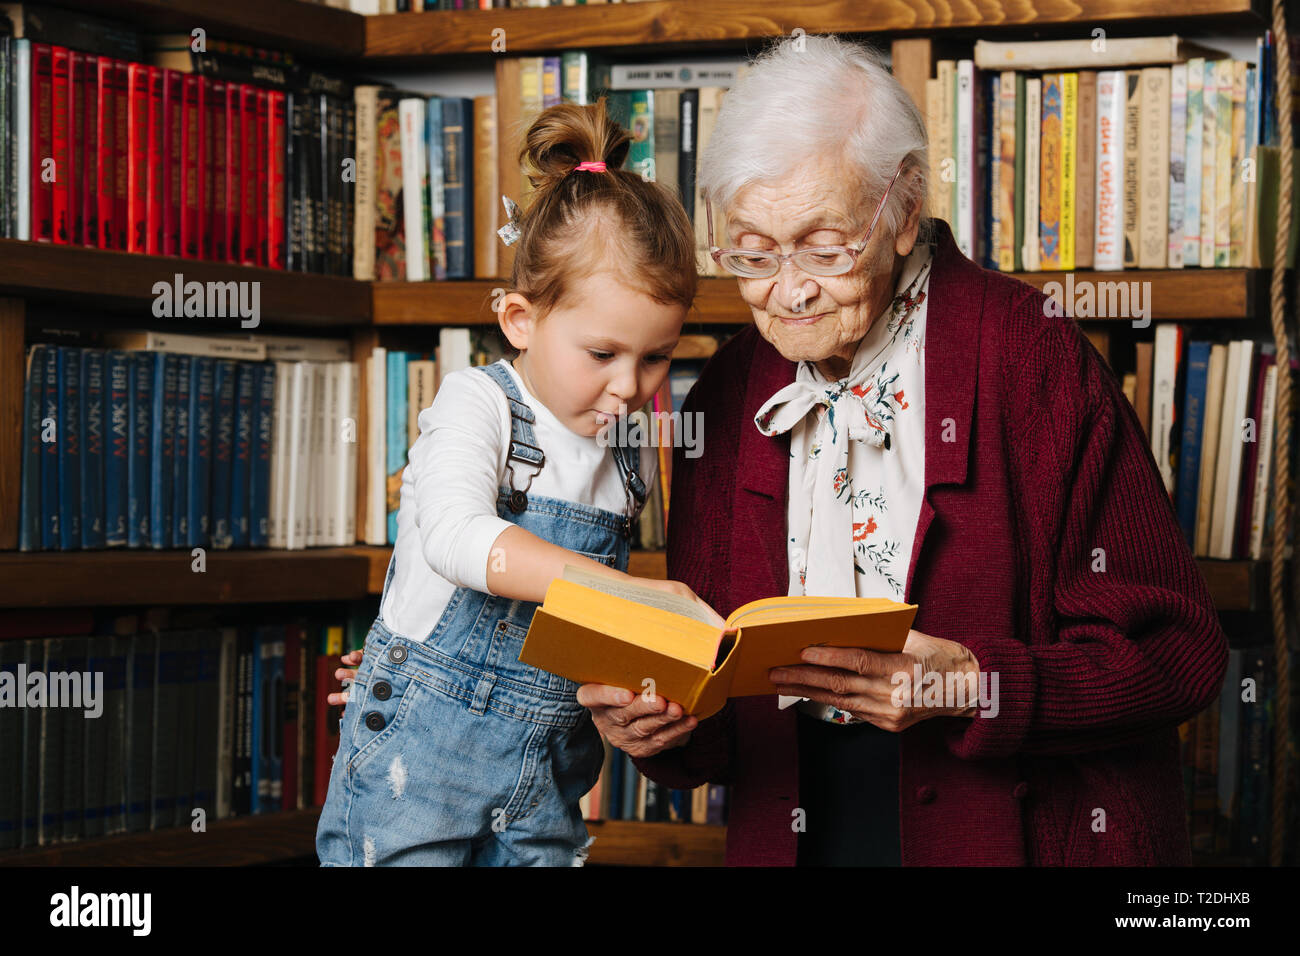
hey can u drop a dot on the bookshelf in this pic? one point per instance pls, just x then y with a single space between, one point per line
74 276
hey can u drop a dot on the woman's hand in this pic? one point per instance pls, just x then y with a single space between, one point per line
682 590
349 673
863 682
641 725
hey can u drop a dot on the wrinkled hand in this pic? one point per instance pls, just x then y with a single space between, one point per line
640 725
349 673
862 682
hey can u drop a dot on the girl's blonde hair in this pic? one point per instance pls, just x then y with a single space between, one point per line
577 216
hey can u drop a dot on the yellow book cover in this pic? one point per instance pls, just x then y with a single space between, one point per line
1006 197
946 185
594 629
1069 147
1049 183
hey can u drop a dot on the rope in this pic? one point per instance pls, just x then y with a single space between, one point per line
1282 438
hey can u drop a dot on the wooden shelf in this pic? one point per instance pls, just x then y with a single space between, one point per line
315 31
116 577
676 23
276 837
1178 294
96 278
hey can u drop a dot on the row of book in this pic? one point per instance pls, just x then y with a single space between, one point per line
1209 410
165 440
1055 165
169 725
223 153
622 793
1227 752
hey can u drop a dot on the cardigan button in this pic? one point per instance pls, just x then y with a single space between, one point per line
925 793
1021 790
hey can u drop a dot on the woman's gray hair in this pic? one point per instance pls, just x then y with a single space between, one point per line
819 94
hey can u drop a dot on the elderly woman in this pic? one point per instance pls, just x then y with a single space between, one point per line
901 423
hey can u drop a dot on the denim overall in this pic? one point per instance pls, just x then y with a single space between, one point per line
451 751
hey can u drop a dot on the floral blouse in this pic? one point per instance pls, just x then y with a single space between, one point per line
857 459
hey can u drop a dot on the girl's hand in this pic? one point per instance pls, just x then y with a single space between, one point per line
682 590
353 660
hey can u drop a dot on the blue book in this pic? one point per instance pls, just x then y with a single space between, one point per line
259 484
29 532
202 370
162 450
1252 110
50 436
615 783
117 448
142 388
142 672
435 197
92 448
223 449
396 436
1189 464
241 465
273 727
69 447
630 778
180 476
458 185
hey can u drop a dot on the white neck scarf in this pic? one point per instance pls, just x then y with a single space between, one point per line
857 464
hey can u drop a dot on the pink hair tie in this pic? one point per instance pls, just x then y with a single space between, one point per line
596 166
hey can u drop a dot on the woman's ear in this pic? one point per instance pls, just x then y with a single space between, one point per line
906 238
516 316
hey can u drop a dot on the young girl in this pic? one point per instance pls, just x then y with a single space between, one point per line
452 751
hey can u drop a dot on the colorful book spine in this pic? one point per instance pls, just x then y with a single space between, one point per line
396 443
1018 211
1085 187
174 117
1177 162
277 183
1033 169
1209 165
993 221
1223 175
1108 246
437 197
1051 186
42 143
137 162
155 167
1006 193
1237 215
1192 162
1069 159
1132 166
92 448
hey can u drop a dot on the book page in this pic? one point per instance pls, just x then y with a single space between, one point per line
637 593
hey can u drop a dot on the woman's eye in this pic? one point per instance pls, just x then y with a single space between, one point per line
600 356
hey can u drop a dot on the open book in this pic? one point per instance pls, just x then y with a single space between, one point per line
594 629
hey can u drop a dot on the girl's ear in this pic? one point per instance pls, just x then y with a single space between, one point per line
515 315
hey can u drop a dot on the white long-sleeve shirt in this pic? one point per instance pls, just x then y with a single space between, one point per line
447 520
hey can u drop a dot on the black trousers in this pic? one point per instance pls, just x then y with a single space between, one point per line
848 788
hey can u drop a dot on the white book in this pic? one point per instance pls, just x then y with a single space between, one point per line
410 113
1264 465
365 101
295 464
1108 237
966 157
330 453
1192 161
22 67
1083 54
1227 483
1209 162
316 487
376 446
280 454
346 487
453 351
1033 135
1177 161
236 348
673 76
302 348
1164 375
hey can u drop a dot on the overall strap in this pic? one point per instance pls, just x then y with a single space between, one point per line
633 486
523 443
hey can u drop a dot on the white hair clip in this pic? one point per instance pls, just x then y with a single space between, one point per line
510 233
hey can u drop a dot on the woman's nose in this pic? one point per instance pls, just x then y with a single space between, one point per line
794 289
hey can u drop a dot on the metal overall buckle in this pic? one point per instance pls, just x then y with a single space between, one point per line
518 499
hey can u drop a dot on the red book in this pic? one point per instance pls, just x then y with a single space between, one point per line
172 166
101 227
255 238
137 182
217 186
293 638
155 193
61 168
193 113
327 724
275 182
234 172
122 138
243 189
42 137
78 66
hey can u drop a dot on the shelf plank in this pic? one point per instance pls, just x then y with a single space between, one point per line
101 279
676 23
238 841
310 29
1172 294
631 843
117 577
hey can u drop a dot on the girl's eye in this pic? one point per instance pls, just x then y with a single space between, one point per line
600 356
656 359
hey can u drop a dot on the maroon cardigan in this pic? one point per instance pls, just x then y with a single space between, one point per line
1033 461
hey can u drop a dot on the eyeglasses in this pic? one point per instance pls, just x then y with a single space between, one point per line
817 260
